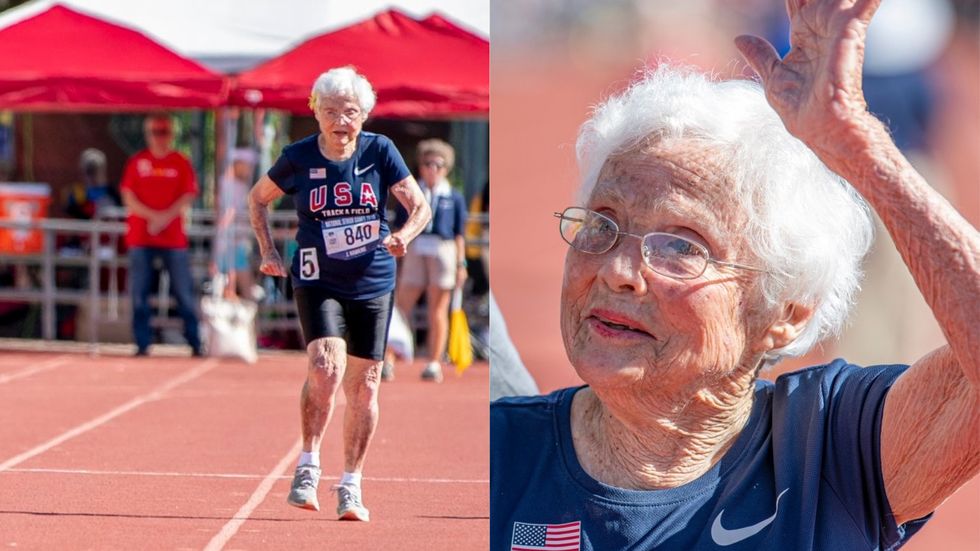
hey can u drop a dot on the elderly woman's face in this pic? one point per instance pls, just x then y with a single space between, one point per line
623 323
340 119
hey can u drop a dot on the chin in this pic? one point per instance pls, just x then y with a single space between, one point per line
603 370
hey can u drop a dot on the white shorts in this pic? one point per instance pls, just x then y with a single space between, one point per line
424 269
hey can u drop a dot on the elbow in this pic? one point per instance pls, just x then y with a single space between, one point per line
254 203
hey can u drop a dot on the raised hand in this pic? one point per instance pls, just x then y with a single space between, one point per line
816 88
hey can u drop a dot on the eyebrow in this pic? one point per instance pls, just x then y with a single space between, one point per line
701 223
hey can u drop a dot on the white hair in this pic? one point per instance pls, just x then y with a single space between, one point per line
808 227
343 82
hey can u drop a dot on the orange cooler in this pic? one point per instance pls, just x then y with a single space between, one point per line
23 203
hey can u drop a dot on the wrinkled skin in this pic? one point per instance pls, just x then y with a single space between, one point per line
681 372
929 444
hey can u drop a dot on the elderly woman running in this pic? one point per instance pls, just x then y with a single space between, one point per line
343 271
708 243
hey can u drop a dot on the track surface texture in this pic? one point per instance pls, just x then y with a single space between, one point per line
168 452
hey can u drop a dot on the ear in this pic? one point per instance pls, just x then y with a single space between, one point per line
789 325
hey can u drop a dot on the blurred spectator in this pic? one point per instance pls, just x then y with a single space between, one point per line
477 256
436 259
508 376
85 199
233 243
94 192
904 42
158 188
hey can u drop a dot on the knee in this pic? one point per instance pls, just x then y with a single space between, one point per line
326 363
363 393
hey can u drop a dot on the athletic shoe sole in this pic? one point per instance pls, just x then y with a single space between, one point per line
361 516
308 505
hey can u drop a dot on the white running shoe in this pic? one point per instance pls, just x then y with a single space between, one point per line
432 372
349 506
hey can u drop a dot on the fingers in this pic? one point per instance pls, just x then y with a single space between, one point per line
793 7
865 9
395 245
759 54
275 269
396 249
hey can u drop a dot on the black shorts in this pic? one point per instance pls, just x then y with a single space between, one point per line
363 324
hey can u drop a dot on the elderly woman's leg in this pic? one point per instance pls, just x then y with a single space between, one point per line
327 361
361 384
361 417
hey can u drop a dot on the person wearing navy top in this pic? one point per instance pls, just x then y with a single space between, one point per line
436 261
343 271
716 234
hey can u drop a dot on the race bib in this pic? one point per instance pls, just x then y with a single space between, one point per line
351 236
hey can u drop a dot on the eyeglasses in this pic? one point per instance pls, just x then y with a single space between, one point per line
667 254
434 164
346 116
161 132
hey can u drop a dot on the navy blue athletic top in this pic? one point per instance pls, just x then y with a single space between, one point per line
341 210
448 216
804 474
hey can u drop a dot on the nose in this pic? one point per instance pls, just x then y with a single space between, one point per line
623 269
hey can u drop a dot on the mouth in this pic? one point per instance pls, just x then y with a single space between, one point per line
617 325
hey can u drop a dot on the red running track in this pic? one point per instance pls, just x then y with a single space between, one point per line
113 452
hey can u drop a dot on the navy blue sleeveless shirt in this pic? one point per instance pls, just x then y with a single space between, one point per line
804 474
341 210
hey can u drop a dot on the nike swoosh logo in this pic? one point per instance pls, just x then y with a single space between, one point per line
724 537
359 171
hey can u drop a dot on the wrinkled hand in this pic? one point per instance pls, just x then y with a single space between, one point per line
272 264
816 88
395 244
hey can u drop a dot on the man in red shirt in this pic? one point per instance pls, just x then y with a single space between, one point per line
158 187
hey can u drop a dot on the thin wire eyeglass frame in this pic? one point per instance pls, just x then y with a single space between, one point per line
614 228
344 117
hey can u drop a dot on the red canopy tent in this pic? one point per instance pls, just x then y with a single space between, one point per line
63 60
429 68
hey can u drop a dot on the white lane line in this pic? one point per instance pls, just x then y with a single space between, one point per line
43 366
229 530
156 394
89 472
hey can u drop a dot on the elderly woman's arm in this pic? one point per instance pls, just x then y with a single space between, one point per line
929 442
409 194
262 195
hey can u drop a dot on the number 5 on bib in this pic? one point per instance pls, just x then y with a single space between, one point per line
309 266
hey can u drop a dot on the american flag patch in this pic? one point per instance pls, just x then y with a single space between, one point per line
550 537
318 173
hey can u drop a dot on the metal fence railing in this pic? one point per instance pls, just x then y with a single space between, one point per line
89 273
